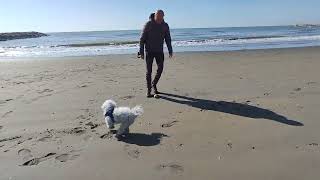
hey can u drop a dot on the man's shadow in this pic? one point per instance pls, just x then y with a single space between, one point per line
143 139
239 109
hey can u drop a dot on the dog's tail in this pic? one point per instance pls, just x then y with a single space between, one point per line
137 110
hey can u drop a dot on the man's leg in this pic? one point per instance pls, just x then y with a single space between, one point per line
160 61
149 62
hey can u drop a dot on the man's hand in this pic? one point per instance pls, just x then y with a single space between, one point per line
170 55
140 55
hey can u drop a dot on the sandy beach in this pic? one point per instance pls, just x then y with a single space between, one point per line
223 115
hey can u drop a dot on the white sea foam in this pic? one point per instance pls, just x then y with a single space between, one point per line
75 44
244 41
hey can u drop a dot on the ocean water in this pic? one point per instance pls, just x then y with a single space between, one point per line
198 39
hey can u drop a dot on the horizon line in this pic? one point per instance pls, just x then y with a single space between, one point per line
189 28
171 28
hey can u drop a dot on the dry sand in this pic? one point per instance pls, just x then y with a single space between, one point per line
226 115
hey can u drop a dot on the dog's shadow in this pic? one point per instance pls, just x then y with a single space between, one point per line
143 139
234 108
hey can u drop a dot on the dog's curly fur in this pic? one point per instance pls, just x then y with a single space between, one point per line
124 116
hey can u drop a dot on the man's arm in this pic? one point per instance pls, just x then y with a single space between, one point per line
143 39
168 41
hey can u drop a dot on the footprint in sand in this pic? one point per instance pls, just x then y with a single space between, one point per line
267 94
1 127
297 89
127 97
81 117
30 161
25 154
5 101
37 98
88 138
66 157
229 145
75 131
45 91
10 138
45 138
169 124
6 114
313 144
312 82
172 167
133 153
180 146
108 135
82 86
92 125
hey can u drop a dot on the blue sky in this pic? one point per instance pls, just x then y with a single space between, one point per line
81 15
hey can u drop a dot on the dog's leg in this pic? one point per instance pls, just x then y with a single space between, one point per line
123 127
126 131
130 122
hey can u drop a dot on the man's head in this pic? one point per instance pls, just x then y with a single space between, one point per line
159 14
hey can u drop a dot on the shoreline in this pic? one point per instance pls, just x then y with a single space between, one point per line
5 59
198 40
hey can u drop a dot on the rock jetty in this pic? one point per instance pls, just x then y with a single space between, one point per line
20 35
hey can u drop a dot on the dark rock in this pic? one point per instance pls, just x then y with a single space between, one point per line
20 35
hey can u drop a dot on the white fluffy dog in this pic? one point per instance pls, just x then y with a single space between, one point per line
124 116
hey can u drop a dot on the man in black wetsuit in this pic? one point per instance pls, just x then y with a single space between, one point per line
154 33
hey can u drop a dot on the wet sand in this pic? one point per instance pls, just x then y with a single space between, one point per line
223 115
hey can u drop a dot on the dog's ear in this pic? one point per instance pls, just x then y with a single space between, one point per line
108 104
109 122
